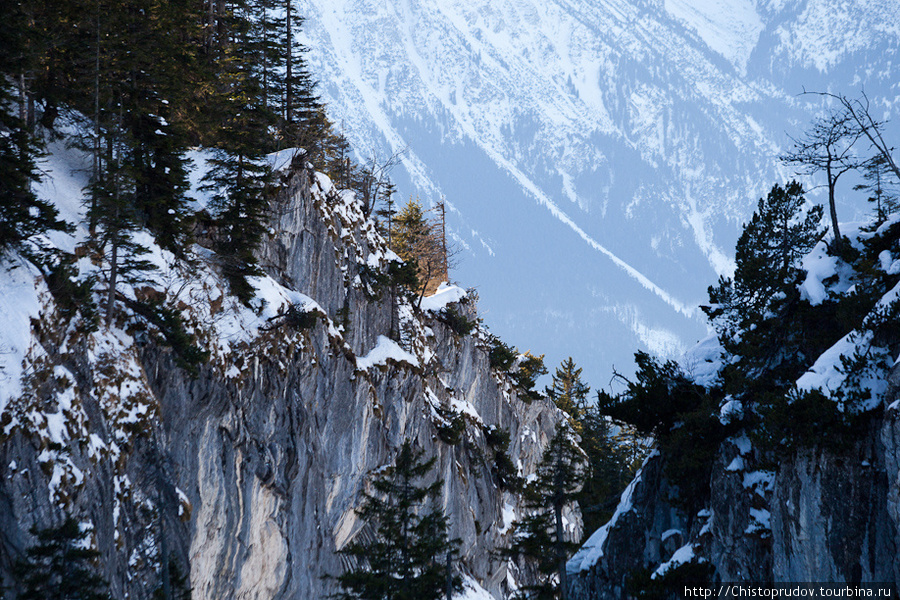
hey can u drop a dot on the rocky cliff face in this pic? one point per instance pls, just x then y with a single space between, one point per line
249 470
817 515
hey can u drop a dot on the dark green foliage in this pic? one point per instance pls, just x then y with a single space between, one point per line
523 369
607 473
767 259
59 567
657 399
609 469
301 319
179 582
681 415
501 356
540 536
880 183
404 558
238 179
502 468
799 419
451 430
457 322
403 274
748 309
295 318
70 295
147 80
871 279
169 323
671 585
387 210
525 373
400 274
22 213
770 333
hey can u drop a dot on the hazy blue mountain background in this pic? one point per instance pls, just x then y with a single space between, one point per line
598 157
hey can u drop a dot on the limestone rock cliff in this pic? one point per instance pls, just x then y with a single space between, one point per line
821 514
248 471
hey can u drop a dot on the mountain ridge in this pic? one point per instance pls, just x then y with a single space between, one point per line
617 118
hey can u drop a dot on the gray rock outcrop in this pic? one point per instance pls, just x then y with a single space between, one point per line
820 514
248 472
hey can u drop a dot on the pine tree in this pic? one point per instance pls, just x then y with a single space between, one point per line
750 311
240 177
179 583
404 557
387 211
160 61
569 392
767 257
610 466
292 88
22 213
881 185
607 471
60 566
540 536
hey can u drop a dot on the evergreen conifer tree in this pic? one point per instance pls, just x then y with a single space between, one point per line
60 567
404 557
767 259
759 315
179 583
879 181
22 213
540 536
160 62
239 176
569 392
609 468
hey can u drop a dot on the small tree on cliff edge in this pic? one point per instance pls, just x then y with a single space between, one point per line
404 558
569 392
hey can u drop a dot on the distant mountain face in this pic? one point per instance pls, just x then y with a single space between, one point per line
598 156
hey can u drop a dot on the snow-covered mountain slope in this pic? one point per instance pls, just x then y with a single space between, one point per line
599 157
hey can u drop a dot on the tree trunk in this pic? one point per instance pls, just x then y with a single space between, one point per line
446 265
560 553
92 226
113 277
449 578
288 76
22 100
832 184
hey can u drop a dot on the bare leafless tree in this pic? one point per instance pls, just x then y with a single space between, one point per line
828 146
376 175
859 111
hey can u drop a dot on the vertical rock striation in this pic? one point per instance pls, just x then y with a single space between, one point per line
249 470
818 515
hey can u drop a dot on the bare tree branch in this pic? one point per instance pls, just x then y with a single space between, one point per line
827 146
858 110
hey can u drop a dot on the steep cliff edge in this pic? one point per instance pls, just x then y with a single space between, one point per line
248 471
820 515
801 483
